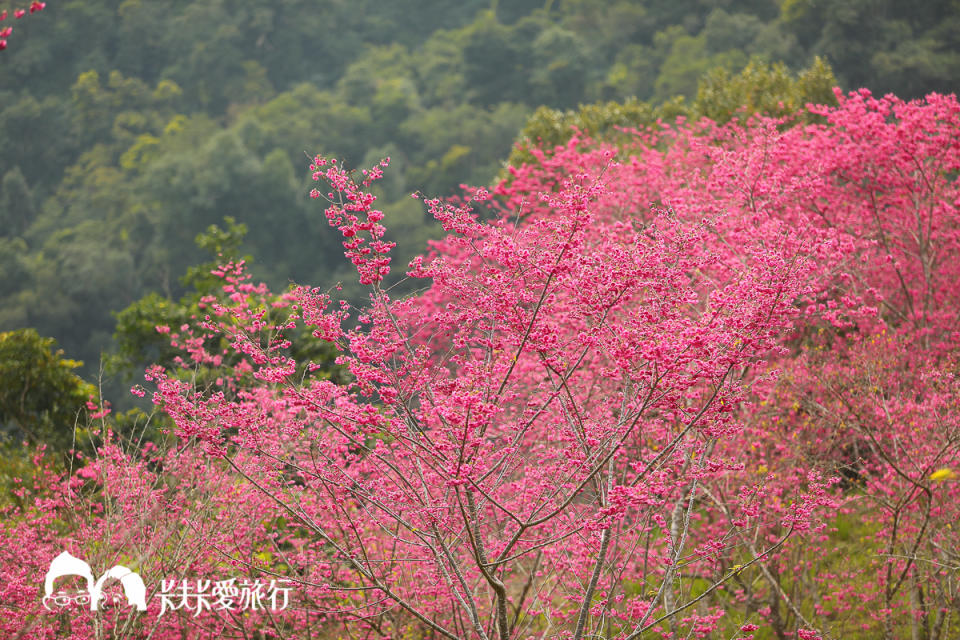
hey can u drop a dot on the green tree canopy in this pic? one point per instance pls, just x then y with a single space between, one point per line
42 400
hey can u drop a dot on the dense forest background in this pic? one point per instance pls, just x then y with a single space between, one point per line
128 128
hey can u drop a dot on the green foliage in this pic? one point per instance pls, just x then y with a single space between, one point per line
889 46
17 208
493 61
138 344
561 66
32 136
41 398
13 273
548 128
769 89
688 58
762 88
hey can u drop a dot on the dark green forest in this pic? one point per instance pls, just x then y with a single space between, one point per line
129 128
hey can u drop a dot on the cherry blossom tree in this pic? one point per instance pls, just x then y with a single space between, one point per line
525 447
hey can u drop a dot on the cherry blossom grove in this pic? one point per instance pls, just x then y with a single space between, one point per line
641 391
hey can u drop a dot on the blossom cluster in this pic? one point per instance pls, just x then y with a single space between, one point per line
5 32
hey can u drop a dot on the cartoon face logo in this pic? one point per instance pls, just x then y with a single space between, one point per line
68 565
